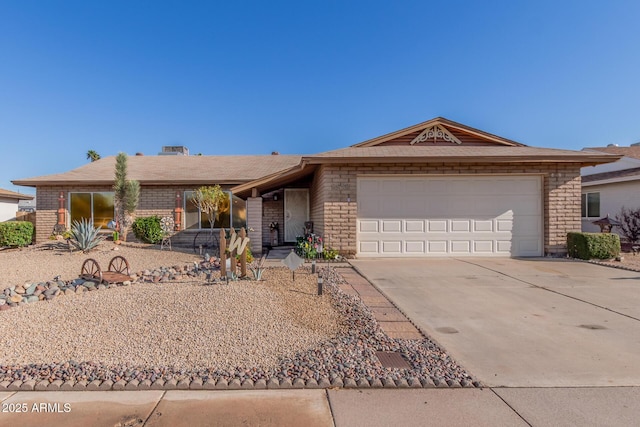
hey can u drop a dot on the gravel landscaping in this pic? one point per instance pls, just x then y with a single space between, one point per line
188 333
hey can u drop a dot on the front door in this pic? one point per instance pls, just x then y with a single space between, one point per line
296 212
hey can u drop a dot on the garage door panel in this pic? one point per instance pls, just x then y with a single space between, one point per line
457 226
391 226
414 247
413 226
440 216
391 186
392 247
460 247
369 186
414 206
523 227
436 187
438 247
483 225
523 205
483 246
438 225
368 247
368 208
504 225
368 226
503 246
528 247
415 187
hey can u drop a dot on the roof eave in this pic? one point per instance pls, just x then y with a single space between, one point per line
110 183
610 181
270 181
585 161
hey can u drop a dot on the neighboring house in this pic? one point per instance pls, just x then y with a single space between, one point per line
27 205
606 188
9 203
438 188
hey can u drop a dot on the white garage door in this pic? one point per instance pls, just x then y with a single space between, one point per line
450 216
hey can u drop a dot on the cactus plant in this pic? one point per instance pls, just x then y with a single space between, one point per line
84 236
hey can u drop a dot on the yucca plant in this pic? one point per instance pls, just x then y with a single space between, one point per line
84 236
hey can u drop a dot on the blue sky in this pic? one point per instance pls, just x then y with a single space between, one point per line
251 77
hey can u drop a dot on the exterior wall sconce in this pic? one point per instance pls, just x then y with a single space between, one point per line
275 197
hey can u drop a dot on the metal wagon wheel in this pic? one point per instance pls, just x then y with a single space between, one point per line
91 270
206 241
119 264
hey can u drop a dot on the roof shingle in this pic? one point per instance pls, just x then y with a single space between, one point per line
172 170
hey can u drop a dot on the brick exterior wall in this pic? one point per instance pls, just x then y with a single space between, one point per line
254 221
272 211
334 185
154 200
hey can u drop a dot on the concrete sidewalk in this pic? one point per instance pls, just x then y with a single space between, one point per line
615 406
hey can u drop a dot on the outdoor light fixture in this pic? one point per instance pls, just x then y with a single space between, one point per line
319 285
275 197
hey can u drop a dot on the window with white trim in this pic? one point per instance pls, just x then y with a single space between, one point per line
590 205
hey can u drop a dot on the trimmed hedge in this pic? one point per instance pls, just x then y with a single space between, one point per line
593 245
148 229
16 233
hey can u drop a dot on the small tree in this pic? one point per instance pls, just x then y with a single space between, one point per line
127 194
93 155
210 200
629 223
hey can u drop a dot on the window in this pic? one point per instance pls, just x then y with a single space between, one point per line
233 213
98 207
591 205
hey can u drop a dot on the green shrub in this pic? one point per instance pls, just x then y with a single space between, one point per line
593 245
148 229
16 233
329 253
84 236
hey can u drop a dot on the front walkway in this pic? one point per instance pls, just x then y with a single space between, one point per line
607 406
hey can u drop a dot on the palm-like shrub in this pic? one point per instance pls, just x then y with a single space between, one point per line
84 236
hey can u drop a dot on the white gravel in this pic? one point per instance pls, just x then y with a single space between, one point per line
184 325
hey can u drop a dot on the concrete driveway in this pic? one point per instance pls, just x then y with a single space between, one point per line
522 323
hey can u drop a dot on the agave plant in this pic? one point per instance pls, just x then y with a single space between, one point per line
84 236
257 269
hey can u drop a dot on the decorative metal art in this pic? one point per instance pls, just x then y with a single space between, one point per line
167 225
434 133
293 262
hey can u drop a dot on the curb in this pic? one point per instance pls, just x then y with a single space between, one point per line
234 384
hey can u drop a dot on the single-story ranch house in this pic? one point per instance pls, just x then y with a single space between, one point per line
609 187
438 188
9 201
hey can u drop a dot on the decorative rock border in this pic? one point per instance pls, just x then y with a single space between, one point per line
611 265
27 293
347 360
222 384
